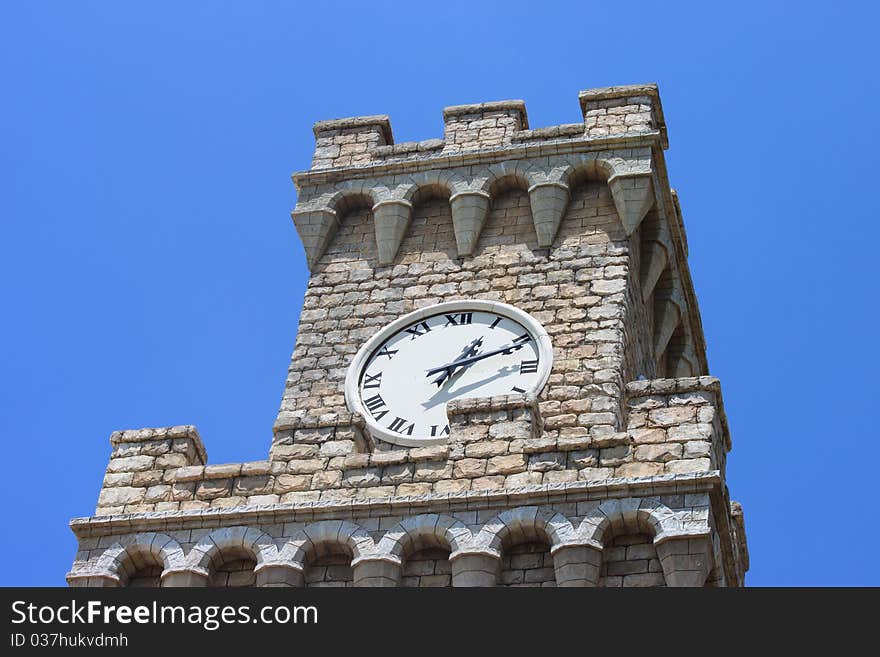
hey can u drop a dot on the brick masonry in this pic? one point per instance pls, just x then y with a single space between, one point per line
614 475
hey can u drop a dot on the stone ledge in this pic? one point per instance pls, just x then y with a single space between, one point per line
408 147
545 493
492 106
550 132
287 421
622 91
428 160
670 386
492 404
382 121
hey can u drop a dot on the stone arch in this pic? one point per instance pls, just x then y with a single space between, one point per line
318 537
130 553
352 194
422 546
647 515
426 530
322 544
209 551
444 182
587 166
525 539
526 522
503 175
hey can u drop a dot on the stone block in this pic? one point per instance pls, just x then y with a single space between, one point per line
652 435
121 495
214 488
614 455
661 452
509 464
337 448
639 469
286 483
487 448
222 471
687 465
667 417
131 464
255 485
413 489
469 468
560 476
452 486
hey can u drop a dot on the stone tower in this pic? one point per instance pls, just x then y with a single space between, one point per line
611 472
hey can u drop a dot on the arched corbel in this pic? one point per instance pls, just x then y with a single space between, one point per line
469 211
668 315
685 363
316 228
655 258
391 220
633 196
548 202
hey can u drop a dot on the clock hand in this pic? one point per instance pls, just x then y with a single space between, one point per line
470 350
464 362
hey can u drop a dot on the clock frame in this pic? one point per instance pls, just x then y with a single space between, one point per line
363 357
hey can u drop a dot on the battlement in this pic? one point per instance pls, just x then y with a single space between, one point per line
672 426
608 113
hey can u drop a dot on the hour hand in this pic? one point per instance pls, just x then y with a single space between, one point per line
449 369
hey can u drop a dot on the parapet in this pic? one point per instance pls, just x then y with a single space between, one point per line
608 113
673 427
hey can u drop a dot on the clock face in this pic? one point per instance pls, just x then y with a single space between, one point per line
402 379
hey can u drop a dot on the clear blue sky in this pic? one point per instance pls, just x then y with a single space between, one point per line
150 274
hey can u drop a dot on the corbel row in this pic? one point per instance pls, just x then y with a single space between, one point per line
470 198
667 302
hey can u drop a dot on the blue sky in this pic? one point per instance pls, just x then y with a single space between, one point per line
150 274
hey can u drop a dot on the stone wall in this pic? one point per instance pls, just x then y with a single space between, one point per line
631 561
673 426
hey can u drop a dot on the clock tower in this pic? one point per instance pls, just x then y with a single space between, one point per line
499 379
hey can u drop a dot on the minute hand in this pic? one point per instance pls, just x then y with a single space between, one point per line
473 359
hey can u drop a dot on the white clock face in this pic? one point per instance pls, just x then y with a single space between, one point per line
403 377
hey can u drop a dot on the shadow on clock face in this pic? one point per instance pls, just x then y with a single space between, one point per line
446 393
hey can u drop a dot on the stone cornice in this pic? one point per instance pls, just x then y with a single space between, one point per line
429 160
433 502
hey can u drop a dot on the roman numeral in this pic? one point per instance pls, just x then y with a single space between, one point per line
374 403
397 425
445 431
372 380
522 339
463 318
528 367
384 351
519 390
495 323
419 329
